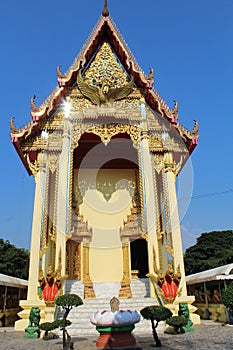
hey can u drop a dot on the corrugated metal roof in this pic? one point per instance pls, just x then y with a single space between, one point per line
221 272
12 281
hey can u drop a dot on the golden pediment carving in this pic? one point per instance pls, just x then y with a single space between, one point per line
155 145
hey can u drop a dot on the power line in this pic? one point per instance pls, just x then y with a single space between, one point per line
205 195
211 194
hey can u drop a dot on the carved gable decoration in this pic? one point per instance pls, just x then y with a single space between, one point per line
105 80
106 68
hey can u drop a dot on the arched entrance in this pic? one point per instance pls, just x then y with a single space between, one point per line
105 186
139 256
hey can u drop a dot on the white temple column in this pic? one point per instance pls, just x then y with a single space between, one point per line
63 197
37 225
175 220
170 173
149 194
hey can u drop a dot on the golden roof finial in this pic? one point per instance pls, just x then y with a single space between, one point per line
195 129
59 73
105 11
33 106
12 125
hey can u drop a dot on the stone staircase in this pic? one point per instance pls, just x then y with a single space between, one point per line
80 316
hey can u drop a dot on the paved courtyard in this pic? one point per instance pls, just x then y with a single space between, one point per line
211 336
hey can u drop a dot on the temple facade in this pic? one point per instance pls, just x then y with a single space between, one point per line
105 151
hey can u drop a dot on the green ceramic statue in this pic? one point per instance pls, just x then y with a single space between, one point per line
184 311
33 331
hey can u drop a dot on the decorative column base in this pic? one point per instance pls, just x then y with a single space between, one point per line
49 313
26 305
125 290
185 299
89 292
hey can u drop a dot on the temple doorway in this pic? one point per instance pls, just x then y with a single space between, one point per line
105 190
139 257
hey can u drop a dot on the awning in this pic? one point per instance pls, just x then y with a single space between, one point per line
218 273
10 281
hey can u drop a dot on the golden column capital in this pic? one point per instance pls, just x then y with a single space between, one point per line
169 163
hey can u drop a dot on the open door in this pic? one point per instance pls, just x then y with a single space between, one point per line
139 257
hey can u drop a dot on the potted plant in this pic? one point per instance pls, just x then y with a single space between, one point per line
67 302
227 299
177 322
156 313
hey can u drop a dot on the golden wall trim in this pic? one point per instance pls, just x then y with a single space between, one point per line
158 211
141 196
71 174
168 240
54 227
44 240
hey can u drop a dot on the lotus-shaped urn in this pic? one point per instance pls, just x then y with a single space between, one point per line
115 319
115 326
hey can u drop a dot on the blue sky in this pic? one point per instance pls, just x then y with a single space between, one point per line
190 46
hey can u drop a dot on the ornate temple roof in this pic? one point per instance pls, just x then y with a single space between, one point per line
104 31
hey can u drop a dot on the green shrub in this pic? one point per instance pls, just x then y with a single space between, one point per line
47 326
177 322
50 326
227 297
158 313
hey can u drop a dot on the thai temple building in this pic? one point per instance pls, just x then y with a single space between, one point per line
105 151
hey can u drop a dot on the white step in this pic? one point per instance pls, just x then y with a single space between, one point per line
140 288
80 316
102 290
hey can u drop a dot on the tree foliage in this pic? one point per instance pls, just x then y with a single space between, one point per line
212 249
13 261
67 302
156 312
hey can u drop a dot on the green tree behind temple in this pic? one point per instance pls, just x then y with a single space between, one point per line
13 261
212 249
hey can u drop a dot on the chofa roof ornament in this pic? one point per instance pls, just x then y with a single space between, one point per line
105 11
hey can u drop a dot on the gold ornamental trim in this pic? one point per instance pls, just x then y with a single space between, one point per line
107 131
